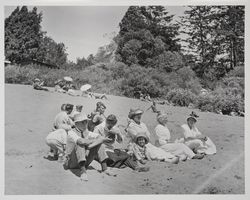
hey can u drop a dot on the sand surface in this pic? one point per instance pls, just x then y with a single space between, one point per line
29 116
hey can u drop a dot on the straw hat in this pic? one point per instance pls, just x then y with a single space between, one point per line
134 112
142 135
80 117
161 118
37 80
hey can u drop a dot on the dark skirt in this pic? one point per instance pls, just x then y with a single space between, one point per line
121 159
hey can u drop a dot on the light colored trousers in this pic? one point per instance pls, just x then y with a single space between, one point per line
76 154
56 146
178 149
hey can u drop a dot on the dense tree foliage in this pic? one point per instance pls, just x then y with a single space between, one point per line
216 38
25 41
145 33
23 34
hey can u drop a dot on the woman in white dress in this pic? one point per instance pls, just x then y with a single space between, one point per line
178 149
194 139
135 126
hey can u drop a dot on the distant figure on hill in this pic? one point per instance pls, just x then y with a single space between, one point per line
37 85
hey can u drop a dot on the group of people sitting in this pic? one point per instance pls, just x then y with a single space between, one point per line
77 139
66 85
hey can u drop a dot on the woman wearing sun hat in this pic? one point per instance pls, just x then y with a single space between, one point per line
194 139
178 149
135 127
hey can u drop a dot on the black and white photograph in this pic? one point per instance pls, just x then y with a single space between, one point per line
124 99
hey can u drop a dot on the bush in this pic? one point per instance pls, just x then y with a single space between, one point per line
181 97
206 103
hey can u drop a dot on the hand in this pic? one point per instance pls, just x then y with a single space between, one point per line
142 162
106 139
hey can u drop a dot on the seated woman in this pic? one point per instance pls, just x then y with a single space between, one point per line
178 149
135 126
194 139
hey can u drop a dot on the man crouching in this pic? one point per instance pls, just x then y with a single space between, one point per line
83 147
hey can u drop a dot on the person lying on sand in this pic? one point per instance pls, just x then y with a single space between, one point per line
193 138
116 157
62 119
98 96
96 117
56 140
59 85
135 126
163 139
83 147
37 85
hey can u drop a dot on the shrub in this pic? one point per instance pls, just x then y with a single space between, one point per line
181 97
206 103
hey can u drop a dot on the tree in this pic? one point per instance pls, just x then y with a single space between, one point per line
145 32
82 63
216 38
22 34
51 52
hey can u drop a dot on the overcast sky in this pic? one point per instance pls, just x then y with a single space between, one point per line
82 28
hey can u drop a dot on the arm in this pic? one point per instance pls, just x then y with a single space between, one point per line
66 127
148 156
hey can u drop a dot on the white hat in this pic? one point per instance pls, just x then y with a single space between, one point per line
85 87
67 78
80 117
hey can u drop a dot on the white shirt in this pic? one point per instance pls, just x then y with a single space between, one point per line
134 129
63 121
74 136
190 133
162 133
59 135
100 130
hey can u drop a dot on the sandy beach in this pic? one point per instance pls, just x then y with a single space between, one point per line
29 116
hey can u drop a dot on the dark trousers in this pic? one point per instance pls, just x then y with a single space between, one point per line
120 159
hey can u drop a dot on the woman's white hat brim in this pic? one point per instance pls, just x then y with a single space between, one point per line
85 87
67 78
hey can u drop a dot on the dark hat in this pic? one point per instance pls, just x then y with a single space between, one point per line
142 135
134 112
193 115
79 107
100 104
69 107
112 118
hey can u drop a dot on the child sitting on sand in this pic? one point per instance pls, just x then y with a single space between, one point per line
139 148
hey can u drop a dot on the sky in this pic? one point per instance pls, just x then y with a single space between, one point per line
83 29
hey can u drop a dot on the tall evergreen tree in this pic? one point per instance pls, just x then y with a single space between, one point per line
22 34
216 37
145 33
